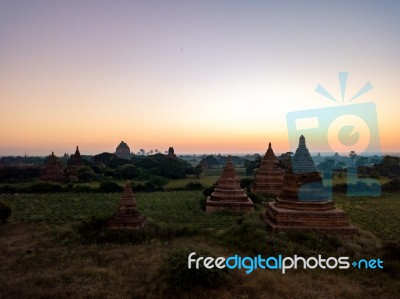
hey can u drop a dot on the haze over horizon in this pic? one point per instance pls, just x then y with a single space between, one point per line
203 77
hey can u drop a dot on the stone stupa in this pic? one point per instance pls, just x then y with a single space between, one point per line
127 216
53 171
303 204
227 194
268 179
74 166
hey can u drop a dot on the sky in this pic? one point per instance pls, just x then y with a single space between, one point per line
201 76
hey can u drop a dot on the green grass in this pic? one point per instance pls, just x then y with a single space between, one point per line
380 215
37 261
171 208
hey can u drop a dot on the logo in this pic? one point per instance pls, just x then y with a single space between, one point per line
280 263
345 128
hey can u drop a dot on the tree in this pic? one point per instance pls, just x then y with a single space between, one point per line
142 151
85 173
198 170
211 161
115 163
285 159
352 156
172 168
128 171
104 158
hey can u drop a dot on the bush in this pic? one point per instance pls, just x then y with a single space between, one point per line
391 250
86 174
181 278
8 189
246 183
5 213
207 191
84 189
128 171
110 186
194 186
155 183
203 203
45 188
255 197
248 234
392 185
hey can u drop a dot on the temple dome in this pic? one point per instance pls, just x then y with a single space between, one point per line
123 151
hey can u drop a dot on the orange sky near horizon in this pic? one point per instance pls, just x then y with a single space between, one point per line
202 77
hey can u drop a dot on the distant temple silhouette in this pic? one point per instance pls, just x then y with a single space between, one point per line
76 163
123 151
53 171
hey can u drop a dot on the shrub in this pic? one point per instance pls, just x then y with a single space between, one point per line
45 188
392 185
5 213
155 183
208 191
248 234
8 189
84 189
391 250
194 186
181 278
86 173
246 183
110 186
128 171
255 197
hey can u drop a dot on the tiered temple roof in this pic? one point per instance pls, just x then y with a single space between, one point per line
227 194
53 170
268 179
302 161
127 216
303 204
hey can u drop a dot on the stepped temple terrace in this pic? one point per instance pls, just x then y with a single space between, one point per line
303 204
53 171
227 194
268 179
127 216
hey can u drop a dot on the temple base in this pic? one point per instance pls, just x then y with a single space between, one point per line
229 205
299 218
138 223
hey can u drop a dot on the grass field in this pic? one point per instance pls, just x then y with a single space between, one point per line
379 215
41 256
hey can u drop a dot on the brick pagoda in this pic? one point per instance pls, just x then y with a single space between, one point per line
227 194
303 204
127 216
53 171
75 164
268 179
